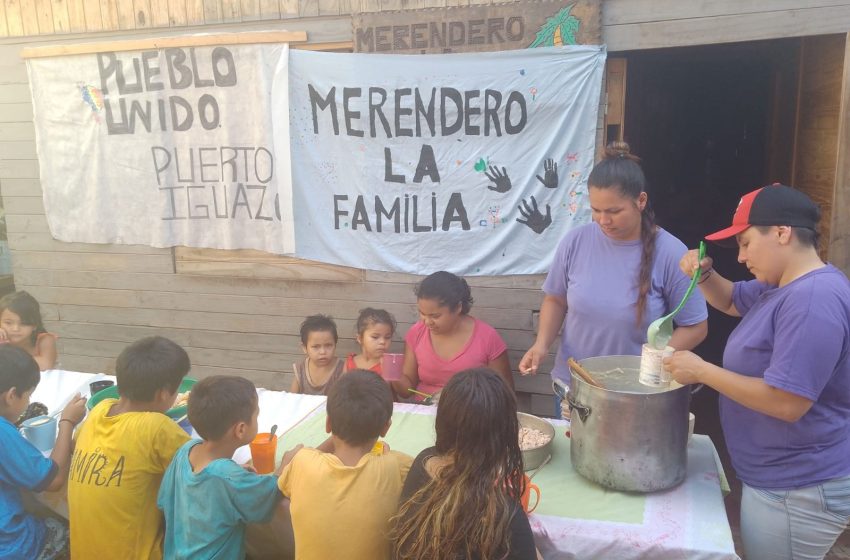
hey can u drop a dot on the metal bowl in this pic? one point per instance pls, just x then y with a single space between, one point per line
533 458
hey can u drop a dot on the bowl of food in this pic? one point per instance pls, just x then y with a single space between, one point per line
535 440
177 411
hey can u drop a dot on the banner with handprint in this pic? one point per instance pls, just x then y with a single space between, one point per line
472 163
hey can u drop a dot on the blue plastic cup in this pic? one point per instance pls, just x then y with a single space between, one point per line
40 431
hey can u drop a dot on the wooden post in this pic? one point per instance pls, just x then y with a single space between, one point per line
839 231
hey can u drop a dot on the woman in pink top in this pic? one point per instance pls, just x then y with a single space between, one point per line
447 339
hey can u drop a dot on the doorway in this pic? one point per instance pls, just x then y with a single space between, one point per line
706 122
714 122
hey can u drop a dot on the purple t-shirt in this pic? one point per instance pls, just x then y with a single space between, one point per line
797 338
597 276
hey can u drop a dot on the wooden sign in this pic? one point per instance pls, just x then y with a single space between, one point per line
517 25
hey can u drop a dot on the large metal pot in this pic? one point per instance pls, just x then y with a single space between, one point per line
627 436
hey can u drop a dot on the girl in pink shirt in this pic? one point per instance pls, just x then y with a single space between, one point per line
447 339
21 326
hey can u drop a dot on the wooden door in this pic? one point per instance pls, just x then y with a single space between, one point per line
615 96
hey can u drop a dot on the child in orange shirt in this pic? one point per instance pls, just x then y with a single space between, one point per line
375 329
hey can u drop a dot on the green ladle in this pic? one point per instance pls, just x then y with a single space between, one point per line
661 330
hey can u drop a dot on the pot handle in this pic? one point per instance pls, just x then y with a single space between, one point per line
583 411
560 389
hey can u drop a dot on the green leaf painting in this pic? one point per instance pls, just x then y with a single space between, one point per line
558 30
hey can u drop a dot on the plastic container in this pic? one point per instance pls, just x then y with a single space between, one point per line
526 496
652 372
174 413
40 431
263 452
391 366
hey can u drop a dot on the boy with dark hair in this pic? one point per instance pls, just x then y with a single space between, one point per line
355 487
22 535
122 450
149 365
223 410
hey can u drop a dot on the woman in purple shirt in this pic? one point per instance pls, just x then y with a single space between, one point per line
785 380
611 278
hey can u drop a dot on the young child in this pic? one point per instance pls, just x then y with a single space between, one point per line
375 329
122 451
317 373
343 500
223 410
21 326
24 536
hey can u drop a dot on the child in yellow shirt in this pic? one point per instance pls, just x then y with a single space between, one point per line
122 450
355 488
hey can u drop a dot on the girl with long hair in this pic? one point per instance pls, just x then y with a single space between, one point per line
21 326
612 277
461 499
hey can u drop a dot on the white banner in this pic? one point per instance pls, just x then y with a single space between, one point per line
163 147
473 163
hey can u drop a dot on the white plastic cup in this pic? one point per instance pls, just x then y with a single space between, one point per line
40 431
652 372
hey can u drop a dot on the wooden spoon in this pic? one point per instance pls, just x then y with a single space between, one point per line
579 369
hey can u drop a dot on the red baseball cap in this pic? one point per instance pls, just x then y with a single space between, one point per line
774 205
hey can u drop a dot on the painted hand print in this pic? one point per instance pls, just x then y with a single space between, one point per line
533 218
500 178
550 174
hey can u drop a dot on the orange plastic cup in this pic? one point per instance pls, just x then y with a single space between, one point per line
263 452
525 498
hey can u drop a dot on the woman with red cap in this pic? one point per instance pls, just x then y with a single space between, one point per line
785 380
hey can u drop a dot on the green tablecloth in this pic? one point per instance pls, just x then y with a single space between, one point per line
565 493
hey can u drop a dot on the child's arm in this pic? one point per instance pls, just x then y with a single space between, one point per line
72 415
287 458
295 387
326 446
45 349
502 366
409 374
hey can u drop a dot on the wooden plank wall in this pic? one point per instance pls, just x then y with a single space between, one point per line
652 24
244 319
627 24
231 318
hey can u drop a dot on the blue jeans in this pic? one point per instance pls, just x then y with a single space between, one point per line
800 524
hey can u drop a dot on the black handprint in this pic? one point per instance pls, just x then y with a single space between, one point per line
533 218
503 182
550 175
